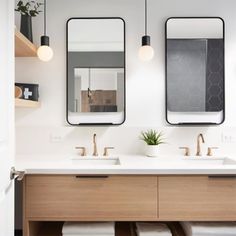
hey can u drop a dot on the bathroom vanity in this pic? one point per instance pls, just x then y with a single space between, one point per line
127 193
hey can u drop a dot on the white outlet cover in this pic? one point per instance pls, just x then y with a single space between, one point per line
56 138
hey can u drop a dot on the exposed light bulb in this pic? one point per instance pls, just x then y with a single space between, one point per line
146 53
45 53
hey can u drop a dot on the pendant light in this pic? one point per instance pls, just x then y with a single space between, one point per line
146 52
44 52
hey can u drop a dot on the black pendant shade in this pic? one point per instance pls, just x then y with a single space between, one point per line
146 40
44 40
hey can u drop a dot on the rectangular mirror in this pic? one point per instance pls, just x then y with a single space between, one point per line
95 71
195 70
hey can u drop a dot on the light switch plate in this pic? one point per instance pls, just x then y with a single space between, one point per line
228 137
56 138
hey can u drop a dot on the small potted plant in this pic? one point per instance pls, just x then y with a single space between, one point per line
27 10
153 139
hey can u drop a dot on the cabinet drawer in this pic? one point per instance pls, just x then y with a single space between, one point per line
91 198
197 198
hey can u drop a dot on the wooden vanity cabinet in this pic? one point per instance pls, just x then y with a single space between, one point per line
59 198
91 198
199 198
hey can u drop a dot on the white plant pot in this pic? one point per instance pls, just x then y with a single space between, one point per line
152 150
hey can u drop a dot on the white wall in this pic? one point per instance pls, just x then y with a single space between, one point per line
145 86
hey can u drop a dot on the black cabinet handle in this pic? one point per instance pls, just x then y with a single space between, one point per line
92 176
222 176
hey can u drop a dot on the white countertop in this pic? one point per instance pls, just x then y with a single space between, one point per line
130 165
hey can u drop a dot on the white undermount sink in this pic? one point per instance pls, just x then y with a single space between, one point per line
94 161
209 160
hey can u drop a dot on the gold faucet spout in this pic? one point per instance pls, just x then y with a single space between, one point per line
95 150
199 139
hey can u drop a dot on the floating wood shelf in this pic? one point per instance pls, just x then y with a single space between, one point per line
23 47
26 103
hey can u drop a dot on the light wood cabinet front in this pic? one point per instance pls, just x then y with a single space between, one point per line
197 198
69 197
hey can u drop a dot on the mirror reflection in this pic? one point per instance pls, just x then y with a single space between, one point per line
99 90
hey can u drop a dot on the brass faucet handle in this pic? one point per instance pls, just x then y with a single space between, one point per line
106 150
83 153
187 150
209 150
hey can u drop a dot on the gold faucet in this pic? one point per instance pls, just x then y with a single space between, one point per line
186 152
105 153
83 153
199 138
95 150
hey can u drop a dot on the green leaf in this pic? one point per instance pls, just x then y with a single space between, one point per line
20 3
152 137
30 8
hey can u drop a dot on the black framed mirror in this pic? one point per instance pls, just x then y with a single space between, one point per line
96 71
195 70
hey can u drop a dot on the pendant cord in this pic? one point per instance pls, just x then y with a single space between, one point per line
89 78
89 85
45 23
146 19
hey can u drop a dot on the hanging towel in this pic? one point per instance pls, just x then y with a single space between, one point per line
209 228
152 229
89 228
